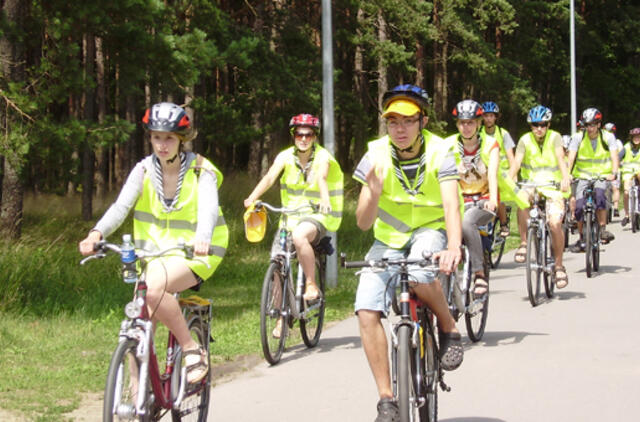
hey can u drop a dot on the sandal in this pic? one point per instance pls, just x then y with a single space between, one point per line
561 280
480 286
198 368
521 254
451 351
504 230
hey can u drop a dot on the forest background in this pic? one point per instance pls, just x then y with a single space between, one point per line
76 77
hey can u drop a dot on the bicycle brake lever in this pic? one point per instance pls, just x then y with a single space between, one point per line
94 256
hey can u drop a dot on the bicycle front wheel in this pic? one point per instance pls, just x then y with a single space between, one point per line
121 390
405 383
588 240
477 308
429 411
533 269
270 303
595 252
195 404
547 258
313 313
633 209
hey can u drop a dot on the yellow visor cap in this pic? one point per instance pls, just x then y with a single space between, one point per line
402 107
255 224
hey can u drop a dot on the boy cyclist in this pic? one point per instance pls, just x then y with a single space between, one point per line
630 168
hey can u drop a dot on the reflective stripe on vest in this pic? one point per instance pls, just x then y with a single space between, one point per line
399 213
590 163
155 229
294 191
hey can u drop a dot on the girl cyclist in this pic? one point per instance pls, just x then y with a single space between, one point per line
630 168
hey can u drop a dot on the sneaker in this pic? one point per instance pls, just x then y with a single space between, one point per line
606 236
616 212
625 221
387 411
578 247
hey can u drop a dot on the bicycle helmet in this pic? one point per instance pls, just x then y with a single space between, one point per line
635 131
167 117
611 127
539 114
409 93
490 107
308 120
467 109
591 115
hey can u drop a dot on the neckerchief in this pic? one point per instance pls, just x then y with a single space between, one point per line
169 203
474 160
304 170
402 177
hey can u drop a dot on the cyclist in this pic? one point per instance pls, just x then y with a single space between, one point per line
309 174
630 168
540 159
478 172
615 185
594 153
174 194
410 196
506 186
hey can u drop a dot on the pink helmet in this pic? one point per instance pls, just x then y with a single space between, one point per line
635 131
305 120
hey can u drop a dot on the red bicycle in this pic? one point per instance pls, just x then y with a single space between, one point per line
135 388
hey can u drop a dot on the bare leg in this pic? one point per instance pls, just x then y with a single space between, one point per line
302 237
433 296
374 343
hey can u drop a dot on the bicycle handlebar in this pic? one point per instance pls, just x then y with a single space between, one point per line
103 247
539 185
298 210
427 261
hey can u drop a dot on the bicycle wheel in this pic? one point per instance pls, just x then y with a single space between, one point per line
547 254
533 269
429 411
405 383
270 302
195 404
497 249
633 211
588 240
477 308
595 252
120 393
313 313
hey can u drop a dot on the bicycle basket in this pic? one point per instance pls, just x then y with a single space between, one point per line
255 223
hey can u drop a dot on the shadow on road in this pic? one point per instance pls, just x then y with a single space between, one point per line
502 338
472 419
606 269
324 346
568 295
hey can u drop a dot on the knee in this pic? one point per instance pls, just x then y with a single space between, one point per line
368 320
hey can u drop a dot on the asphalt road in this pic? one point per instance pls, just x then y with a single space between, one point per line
572 358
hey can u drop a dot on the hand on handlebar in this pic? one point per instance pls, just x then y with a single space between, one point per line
611 177
448 259
490 206
87 245
201 247
324 207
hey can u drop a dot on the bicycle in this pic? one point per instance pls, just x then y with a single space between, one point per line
280 277
634 209
415 363
591 227
134 362
540 262
495 243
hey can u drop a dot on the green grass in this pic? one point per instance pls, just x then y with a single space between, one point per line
59 321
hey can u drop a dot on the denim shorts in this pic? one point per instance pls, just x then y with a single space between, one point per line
375 289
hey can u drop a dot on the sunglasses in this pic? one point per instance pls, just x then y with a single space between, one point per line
539 124
302 135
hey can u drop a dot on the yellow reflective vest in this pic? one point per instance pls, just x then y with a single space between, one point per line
296 191
541 164
590 163
630 164
155 229
400 213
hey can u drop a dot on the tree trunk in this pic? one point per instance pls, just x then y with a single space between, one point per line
102 155
440 51
88 164
383 84
12 198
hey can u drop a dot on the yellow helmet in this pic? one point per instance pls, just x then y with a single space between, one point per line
255 223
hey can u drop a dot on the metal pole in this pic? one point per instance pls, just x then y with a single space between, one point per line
572 32
328 136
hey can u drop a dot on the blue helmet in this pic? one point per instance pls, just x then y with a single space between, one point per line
539 114
490 107
407 92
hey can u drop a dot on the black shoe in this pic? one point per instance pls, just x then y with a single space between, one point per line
606 236
450 350
616 213
625 221
578 247
387 411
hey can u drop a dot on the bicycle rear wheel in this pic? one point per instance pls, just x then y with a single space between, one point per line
588 240
533 269
120 393
633 209
477 308
547 258
195 404
313 313
497 249
406 394
270 302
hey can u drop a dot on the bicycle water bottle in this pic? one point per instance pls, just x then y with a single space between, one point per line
128 257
